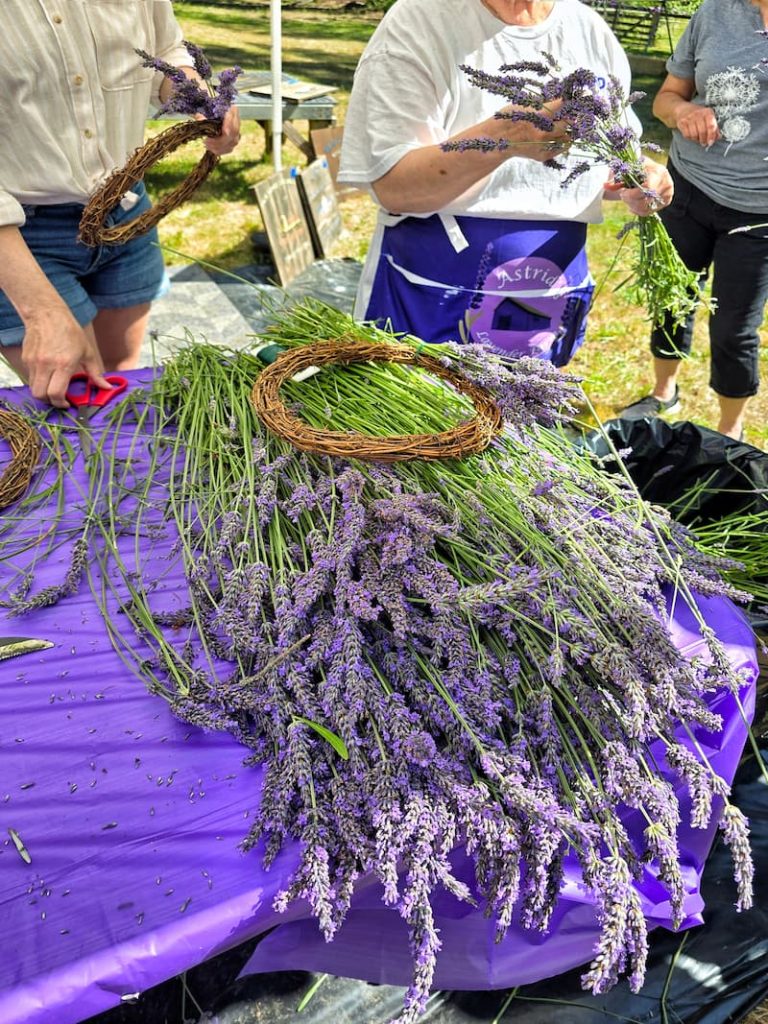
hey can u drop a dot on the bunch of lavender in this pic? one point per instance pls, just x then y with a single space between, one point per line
425 656
595 126
188 95
428 655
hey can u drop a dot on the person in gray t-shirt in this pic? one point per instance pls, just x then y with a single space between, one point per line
715 98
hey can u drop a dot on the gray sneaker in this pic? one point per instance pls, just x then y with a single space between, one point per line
650 406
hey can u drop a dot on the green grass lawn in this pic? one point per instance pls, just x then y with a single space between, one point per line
324 45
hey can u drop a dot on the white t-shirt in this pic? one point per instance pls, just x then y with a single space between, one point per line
410 92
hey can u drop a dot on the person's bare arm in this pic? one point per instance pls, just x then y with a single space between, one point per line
428 178
55 345
673 108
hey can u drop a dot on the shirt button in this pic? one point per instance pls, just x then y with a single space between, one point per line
88 133
78 79
57 19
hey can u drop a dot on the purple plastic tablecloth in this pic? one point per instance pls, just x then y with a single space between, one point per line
132 820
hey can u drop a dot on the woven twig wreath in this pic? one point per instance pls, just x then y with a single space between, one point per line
102 202
465 439
25 444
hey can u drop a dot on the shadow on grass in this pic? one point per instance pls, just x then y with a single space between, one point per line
226 183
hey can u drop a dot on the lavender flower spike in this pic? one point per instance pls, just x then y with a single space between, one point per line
202 67
188 96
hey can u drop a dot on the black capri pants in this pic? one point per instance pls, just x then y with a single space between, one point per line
699 228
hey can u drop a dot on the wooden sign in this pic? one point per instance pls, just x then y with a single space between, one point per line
290 241
321 208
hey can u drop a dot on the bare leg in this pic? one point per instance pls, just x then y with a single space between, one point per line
732 416
665 371
119 334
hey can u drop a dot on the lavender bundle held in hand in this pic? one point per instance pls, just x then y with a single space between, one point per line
188 96
595 122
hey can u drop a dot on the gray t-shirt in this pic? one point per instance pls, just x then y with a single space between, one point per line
722 50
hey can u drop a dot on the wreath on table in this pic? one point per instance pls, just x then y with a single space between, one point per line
474 435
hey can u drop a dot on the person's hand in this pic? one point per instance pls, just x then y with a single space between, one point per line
656 193
698 124
55 347
531 142
229 137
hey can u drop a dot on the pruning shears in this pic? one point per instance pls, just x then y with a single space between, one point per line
87 399
13 646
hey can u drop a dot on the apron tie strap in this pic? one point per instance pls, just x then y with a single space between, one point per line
455 234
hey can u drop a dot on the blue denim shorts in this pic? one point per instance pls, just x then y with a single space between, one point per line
88 278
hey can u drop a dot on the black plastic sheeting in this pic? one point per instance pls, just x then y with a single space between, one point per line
253 288
333 281
666 460
698 474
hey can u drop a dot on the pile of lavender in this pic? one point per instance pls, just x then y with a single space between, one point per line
596 130
421 656
188 96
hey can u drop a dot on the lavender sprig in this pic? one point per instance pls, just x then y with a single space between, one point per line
202 67
188 97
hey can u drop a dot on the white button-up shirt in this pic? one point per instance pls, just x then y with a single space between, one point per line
73 94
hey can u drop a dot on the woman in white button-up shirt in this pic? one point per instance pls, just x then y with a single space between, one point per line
73 103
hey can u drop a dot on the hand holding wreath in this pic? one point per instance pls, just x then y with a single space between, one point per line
215 119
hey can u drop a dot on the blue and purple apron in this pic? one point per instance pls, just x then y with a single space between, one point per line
517 285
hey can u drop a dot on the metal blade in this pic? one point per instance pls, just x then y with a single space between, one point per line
13 646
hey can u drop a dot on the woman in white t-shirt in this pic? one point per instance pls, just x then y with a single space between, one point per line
481 246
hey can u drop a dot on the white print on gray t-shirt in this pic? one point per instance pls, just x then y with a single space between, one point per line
731 94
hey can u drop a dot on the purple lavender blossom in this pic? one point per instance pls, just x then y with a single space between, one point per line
188 97
202 67
591 117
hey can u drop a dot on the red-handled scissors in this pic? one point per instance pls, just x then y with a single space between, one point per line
87 399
